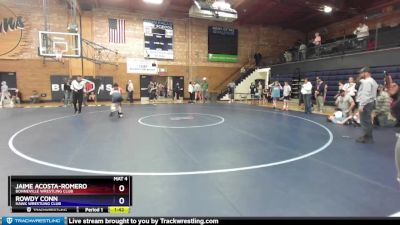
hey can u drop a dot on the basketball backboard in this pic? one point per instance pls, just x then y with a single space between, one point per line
52 44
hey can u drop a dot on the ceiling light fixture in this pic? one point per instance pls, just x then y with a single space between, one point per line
221 4
327 9
157 2
197 4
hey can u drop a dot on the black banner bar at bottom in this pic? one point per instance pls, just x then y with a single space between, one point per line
208 220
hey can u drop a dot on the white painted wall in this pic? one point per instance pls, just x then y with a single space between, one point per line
244 87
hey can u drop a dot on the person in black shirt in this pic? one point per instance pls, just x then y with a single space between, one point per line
67 92
176 92
258 58
253 90
320 94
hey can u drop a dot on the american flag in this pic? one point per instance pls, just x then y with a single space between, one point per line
116 30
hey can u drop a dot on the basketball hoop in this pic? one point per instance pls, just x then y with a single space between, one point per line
59 55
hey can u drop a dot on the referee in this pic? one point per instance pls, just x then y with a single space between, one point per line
77 86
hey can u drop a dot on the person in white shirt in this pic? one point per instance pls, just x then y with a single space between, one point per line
77 87
302 52
197 89
306 90
191 92
350 88
4 93
362 32
129 89
286 96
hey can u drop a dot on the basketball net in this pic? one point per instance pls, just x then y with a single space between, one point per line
59 55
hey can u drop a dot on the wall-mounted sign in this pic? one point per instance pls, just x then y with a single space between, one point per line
11 27
223 44
141 66
158 39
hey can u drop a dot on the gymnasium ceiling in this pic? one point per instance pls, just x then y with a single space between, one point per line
303 15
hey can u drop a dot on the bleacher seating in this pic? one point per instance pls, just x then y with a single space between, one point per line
332 77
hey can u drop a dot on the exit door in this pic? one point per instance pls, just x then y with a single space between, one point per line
144 83
11 79
181 82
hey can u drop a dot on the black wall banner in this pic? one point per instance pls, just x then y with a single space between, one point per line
57 82
101 86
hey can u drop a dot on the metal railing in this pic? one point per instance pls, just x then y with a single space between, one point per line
378 39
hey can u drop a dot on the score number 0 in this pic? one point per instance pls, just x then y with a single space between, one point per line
121 200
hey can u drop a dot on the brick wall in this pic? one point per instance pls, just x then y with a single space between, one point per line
190 46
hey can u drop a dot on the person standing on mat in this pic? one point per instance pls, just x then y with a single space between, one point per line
129 90
116 101
286 96
176 92
320 94
252 92
306 90
191 92
276 88
366 97
393 91
204 87
77 87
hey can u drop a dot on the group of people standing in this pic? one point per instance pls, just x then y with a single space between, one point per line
156 90
353 96
273 92
198 91
319 94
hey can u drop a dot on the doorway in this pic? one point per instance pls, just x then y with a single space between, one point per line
11 79
165 85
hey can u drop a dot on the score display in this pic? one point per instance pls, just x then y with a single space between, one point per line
88 194
158 39
222 44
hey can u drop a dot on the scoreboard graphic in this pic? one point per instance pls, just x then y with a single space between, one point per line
158 39
223 44
71 194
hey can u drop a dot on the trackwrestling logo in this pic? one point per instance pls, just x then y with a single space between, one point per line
33 220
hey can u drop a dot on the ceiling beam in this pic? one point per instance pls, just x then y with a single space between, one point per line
78 7
382 4
96 3
238 3
166 5
297 22
174 7
260 10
